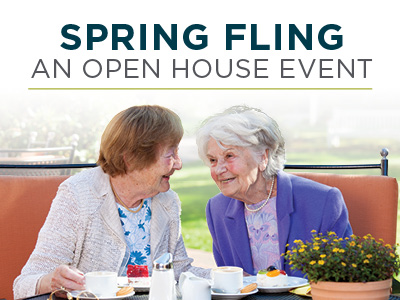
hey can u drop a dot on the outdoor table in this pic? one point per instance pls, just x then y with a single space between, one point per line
258 296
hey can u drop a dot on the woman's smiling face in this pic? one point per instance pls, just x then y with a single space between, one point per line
236 172
155 178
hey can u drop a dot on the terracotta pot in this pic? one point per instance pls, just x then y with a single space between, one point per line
375 290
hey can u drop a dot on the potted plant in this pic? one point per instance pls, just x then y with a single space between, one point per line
345 265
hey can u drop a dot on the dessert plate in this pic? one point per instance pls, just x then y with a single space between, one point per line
293 282
140 284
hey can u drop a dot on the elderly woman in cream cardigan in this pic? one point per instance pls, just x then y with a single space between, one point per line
122 212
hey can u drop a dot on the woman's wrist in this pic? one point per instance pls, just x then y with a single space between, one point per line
43 285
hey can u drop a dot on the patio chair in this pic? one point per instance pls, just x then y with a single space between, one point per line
33 143
27 162
25 203
372 200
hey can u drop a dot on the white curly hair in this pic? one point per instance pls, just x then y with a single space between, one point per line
245 127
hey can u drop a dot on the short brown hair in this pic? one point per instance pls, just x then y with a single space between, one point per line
135 136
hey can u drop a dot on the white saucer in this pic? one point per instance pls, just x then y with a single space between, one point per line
231 296
91 297
293 282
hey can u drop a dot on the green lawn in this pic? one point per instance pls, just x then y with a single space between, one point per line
195 186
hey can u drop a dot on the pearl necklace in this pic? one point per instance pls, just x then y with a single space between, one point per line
122 202
266 201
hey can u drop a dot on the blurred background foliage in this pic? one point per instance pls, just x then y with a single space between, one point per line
88 123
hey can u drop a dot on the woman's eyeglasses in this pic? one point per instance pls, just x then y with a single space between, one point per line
66 293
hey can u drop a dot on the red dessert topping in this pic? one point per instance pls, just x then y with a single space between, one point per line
137 271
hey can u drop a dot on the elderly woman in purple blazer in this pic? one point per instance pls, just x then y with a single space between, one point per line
260 209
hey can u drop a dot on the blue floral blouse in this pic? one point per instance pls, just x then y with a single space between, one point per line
137 233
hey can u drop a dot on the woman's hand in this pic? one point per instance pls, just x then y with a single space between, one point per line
63 277
245 274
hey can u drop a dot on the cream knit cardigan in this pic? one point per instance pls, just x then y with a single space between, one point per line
83 229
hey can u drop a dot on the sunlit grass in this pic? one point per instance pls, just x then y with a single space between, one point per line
196 235
194 187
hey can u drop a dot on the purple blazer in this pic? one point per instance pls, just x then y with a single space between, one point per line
302 205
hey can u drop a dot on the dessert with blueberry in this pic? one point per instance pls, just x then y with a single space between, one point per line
271 277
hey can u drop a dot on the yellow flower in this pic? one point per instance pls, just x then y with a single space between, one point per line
331 233
321 262
303 246
369 255
359 246
322 255
353 236
335 250
341 251
325 240
287 245
388 246
317 238
316 248
313 262
313 231
335 240
294 250
392 255
343 264
354 265
301 250
352 243
366 261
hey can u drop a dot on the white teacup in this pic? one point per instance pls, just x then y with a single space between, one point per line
227 280
102 284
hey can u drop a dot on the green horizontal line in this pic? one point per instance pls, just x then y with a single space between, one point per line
191 89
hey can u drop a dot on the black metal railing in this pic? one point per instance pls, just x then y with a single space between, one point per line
383 166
